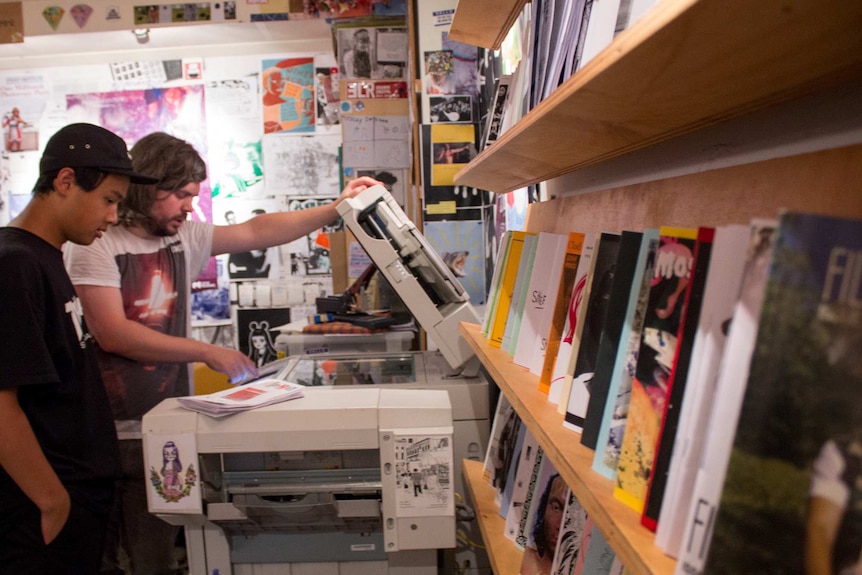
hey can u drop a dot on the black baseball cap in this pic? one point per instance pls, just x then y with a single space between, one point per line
90 146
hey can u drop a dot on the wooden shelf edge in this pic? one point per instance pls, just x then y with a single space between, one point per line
505 557
633 543
484 23
675 71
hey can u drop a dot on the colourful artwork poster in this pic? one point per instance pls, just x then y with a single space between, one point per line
288 95
132 114
461 247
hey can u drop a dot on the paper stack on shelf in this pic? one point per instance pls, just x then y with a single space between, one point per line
235 399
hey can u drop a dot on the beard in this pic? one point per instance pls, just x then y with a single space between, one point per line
159 228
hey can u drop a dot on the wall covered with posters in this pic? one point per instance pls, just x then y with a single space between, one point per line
268 143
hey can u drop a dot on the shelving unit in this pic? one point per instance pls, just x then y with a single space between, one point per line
685 65
687 68
485 24
620 525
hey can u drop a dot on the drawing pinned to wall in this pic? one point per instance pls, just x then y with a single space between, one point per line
53 15
13 128
288 95
254 323
81 13
236 156
423 475
460 245
372 52
23 101
302 165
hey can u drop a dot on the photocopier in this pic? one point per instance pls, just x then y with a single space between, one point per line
361 474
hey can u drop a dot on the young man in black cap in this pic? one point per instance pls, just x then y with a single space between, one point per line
135 286
58 448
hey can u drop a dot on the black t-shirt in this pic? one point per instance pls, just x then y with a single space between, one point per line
47 353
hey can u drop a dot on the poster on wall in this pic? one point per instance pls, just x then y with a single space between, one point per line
461 247
288 95
133 114
327 95
255 332
448 67
211 300
302 165
235 162
310 255
371 51
23 99
255 264
446 149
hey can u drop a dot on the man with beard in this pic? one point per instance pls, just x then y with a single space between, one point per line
135 286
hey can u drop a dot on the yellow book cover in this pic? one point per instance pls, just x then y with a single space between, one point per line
574 247
507 287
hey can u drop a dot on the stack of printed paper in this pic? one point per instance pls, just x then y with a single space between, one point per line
255 394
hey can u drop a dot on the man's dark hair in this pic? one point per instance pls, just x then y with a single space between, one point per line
173 161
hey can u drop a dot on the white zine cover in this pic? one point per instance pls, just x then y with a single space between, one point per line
544 282
564 364
720 294
172 476
727 400
424 482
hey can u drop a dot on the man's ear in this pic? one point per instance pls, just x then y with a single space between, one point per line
64 181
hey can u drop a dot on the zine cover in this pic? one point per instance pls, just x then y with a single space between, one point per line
794 482
599 291
658 345
679 378
719 296
727 399
609 340
615 416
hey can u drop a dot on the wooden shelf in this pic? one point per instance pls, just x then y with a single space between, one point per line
685 65
633 543
484 23
505 557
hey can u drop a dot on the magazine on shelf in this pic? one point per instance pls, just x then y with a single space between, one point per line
250 396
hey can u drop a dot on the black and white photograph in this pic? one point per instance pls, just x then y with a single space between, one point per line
451 109
372 52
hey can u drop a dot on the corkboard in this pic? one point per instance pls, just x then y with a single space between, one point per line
828 182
